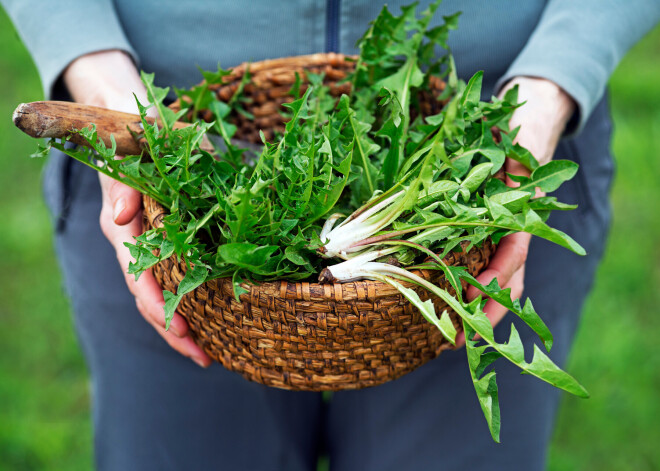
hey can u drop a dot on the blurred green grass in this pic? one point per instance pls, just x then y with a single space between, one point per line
44 417
44 398
615 353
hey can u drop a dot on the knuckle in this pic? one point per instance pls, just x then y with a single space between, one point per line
521 251
114 190
174 342
147 314
140 307
106 223
517 284
521 283
104 180
518 291
133 287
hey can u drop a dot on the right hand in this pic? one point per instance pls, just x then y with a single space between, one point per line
109 79
542 121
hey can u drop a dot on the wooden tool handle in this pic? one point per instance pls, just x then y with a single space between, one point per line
59 118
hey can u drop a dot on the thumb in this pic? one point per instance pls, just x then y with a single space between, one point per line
122 202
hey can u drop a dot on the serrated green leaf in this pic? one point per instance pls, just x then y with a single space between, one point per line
192 279
486 386
535 225
171 303
503 297
513 349
544 368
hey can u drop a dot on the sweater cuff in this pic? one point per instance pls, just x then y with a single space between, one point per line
567 55
56 36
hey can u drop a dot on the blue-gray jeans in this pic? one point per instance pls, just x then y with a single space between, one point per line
156 410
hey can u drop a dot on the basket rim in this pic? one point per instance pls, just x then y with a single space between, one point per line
279 63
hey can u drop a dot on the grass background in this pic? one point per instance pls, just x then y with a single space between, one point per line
44 399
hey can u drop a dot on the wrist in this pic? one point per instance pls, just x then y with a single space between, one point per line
552 104
107 79
543 117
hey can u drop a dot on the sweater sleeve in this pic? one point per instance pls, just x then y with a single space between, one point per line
578 43
56 33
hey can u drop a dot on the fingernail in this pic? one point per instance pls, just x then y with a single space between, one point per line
199 361
119 207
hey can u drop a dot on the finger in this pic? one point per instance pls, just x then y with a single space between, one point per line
186 346
514 167
510 255
121 224
149 300
146 290
124 200
494 310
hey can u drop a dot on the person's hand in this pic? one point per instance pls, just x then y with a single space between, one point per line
109 79
542 120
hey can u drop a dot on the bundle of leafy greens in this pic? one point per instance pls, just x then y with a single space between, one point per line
363 187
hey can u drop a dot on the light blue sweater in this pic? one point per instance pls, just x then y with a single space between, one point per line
575 43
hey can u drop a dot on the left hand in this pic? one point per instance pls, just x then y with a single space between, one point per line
542 120
109 79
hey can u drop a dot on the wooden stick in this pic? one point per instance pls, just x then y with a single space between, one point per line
57 119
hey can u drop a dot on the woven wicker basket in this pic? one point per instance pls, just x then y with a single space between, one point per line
307 336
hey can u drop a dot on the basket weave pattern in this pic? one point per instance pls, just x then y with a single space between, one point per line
301 335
